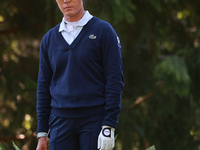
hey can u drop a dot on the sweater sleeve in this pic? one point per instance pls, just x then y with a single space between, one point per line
43 105
112 65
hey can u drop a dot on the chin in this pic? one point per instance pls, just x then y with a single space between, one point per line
68 14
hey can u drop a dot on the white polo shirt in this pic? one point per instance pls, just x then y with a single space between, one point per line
70 30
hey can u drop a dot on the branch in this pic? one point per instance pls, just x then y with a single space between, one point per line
140 100
9 31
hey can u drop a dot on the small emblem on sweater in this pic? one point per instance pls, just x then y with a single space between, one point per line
119 44
92 36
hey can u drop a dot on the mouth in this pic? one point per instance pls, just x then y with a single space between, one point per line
68 7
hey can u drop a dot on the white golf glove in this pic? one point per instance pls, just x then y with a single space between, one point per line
106 139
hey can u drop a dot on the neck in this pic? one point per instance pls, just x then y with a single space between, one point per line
75 17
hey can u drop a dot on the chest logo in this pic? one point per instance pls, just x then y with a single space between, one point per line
92 36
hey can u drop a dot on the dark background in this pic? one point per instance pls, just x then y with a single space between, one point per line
161 58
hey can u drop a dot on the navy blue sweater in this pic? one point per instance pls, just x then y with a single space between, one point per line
82 79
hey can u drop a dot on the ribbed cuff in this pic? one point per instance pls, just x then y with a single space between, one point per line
41 134
105 126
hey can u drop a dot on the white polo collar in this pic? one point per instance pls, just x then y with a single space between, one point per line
83 21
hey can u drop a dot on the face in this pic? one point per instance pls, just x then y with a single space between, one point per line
73 10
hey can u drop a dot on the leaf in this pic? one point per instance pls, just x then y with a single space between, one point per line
15 146
156 5
172 72
2 147
116 136
151 148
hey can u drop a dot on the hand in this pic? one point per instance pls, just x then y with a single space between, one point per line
106 140
42 144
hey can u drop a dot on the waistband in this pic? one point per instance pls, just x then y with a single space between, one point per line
78 112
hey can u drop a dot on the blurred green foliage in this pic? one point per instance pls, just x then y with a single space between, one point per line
151 148
161 57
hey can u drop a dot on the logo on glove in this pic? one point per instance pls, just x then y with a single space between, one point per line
106 132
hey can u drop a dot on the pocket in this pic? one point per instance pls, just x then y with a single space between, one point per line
52 119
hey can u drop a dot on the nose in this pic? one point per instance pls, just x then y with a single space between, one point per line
66 1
